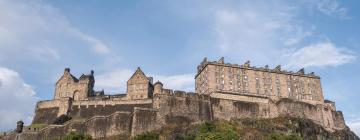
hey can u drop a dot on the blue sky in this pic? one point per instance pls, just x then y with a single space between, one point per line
168 39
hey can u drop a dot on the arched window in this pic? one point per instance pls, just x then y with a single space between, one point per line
76 95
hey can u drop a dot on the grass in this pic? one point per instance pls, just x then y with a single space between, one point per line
38 126
73 136
147 136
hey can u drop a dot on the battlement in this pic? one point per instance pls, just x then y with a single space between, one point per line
247 66
182 94
221 77
222 91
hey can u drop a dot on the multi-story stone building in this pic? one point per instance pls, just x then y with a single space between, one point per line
222 92
220 77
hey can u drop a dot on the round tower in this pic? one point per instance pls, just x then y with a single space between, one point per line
158 86
19 126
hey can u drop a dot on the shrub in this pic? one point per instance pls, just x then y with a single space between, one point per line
207 127
147 136
210 131
278 136
75 136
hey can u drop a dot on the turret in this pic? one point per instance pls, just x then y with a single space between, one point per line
158 87
19 126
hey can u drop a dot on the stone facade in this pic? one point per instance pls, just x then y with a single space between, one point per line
219 76
223 92
68 86
139 86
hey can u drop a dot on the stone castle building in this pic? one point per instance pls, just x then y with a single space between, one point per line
218 77
223 91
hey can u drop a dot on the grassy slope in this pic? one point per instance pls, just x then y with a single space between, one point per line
249 129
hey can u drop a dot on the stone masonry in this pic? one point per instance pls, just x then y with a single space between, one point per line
223 91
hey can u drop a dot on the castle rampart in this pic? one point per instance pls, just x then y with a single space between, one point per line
223 92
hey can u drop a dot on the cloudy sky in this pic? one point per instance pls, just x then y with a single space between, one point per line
168 39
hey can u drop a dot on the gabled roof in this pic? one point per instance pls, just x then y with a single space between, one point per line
84 76
71 76
74 78
138 70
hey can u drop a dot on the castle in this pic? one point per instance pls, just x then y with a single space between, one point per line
223 91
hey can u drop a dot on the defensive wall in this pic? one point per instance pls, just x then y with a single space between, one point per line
108 118
223 92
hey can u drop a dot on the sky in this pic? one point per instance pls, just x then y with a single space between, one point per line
168 39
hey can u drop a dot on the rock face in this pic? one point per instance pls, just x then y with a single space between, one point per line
149 107
259 129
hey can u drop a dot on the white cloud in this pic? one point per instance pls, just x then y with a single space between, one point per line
17 99
184 82
275 33
45 52
115 81
34 28
260 32
97 45
319 55
330 7
355 126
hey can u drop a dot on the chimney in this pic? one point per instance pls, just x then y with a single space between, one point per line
67 70
221 60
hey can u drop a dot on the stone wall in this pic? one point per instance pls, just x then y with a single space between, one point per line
144 119
180 107
287 107
226 91
45 115
339 122
228 109
88 111
47 111
97 126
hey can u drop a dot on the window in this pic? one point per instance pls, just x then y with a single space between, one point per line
257 83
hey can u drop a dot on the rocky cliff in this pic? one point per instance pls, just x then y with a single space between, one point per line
281 128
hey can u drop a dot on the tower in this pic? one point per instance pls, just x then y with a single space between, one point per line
139 86
68 86
19 126
158 87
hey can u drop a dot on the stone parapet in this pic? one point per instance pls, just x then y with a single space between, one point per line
111 102
247 66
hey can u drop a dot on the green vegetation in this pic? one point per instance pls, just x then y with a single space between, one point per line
247 128
278 136
147 136
37 126
211 131
226 130
75 136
